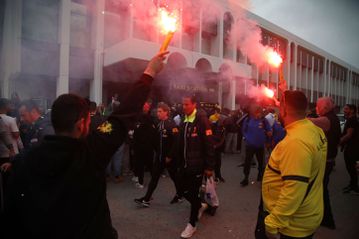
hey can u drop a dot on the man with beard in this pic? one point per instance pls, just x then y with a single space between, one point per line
58 188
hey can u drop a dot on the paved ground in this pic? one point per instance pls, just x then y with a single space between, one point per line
236 216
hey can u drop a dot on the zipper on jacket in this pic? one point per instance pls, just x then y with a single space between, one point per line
185 145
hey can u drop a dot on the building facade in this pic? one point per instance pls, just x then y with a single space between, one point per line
96 48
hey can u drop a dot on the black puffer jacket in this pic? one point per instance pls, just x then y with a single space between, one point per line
196 148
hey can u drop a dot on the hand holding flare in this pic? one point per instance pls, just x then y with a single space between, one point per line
169 23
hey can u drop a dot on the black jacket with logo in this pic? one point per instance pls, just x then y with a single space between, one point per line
196 147
58 189
168 140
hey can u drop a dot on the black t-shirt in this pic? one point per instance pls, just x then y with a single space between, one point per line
353 144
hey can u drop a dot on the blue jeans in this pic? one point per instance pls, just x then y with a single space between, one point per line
115 166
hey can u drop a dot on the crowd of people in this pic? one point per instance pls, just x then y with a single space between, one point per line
54 166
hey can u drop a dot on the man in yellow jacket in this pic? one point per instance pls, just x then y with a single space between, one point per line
292 187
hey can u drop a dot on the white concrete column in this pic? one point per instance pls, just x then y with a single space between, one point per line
220 93
96 84
329 79
300 69
199 37
307 77
62 86
295 66
312 81
233 94
286 70
221 29
318 79
348 86
325 77
10 59
132 19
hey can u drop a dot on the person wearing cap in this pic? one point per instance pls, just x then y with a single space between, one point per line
292 187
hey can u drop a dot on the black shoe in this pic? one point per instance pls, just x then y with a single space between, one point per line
244 182
176 199
142 202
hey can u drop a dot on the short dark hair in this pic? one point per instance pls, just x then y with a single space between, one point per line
352 107
93 106
67 110
4 103
164 107
192 97
30 105
296 99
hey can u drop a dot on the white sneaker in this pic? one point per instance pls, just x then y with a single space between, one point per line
188 231
134 179
202 209
140 186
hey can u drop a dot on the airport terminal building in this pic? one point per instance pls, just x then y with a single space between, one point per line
96 48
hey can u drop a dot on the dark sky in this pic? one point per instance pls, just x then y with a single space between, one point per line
332 25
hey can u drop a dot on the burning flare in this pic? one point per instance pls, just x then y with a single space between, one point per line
169 24
273 58
268 92
168 21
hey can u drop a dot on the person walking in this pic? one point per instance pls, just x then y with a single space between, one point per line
196 157
166 156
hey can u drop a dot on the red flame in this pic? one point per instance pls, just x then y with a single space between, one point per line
273 58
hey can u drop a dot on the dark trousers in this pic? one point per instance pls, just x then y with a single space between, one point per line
218 163
350 162
239 140
3 183
328 216
250 152
191 184
144 159
158 168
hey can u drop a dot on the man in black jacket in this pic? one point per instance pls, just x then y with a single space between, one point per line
34 126
165 155
144 138
58 188
196 151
